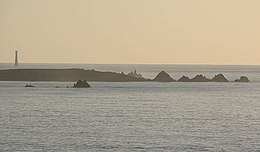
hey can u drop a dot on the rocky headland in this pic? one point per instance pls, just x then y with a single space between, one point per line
69 75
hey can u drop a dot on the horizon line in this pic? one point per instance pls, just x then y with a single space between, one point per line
211 64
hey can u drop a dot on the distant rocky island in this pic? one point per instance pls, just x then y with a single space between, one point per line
72 75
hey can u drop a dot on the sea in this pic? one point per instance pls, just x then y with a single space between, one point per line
133 116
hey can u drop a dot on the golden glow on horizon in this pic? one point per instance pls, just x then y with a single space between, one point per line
131 31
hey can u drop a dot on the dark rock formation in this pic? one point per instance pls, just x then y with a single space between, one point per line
242 79
219 78
81 84
28 85
200 78
163 77
184 79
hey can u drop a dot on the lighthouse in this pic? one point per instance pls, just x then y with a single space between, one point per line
16 58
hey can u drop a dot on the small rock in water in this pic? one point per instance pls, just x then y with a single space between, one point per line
81 84
28 85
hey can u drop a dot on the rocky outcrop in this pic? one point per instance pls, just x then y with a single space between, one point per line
242 79
219 78
29 86
163 77
200 78
81 84
184 79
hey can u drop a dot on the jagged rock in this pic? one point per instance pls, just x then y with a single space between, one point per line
163 77
29 85
184 79
81 84
200 78
219 78
242 79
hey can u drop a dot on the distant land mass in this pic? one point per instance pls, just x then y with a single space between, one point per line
69 75
72 75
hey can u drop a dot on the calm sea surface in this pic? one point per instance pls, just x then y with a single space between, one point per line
133 116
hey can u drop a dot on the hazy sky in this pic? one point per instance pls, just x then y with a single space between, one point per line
131 31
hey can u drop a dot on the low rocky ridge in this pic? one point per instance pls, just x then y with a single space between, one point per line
163 77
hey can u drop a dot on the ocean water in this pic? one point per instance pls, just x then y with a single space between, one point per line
133 116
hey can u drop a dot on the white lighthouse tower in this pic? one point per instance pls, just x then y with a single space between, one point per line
16 58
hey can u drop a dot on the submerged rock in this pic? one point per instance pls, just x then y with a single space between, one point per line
242 79
29 85
81 84
200 78
184 79
219 78
163 77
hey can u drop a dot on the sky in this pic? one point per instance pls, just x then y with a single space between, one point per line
131 31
